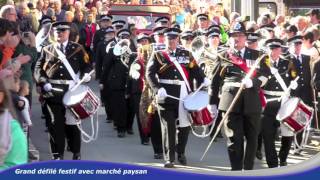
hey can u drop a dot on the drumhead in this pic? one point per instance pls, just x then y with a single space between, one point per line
287 108
75 96
196 102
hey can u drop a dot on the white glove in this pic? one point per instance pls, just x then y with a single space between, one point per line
212 108
86 77
47 87
206 82
247 82
293 85
72 84
101 86
162 94
273 70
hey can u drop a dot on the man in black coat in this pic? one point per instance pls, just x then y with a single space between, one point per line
105 22
100 57
55 79
165 78
114 77
244 118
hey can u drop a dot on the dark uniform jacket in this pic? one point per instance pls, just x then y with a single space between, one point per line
98 37
100 54
160 68
135 85
228 74
304 90
272 88
115 71
49 67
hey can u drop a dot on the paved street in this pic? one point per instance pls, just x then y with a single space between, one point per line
108 147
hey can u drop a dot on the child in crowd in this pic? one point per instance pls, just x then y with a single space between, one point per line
23 92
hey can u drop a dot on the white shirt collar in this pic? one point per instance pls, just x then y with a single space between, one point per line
241 51
300 58
275 61
64 45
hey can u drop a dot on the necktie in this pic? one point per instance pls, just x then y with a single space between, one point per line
275 64
238 53
61 48
299 60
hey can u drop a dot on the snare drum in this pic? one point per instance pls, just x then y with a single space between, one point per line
295 114
82 102
196 104
196 101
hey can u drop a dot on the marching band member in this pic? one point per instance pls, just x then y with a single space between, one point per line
114 76
150 117
105 21
302 64
158 37
54 76
170 72
100 57
203 24
244 118
252 40
273 91
118 25
207 63
162 22
137 90
186 39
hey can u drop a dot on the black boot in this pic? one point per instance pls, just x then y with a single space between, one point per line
182 159
158 156
259 155
121 134
76 156
283 163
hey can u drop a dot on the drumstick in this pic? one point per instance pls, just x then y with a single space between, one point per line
195 92
57 89
81 81
173 97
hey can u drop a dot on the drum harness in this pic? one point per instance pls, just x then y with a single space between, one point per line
94 133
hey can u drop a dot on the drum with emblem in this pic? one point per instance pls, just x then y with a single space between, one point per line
294 114
81 102
196 103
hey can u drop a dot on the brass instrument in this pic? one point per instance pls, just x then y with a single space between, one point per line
44 37
122 49
199 50
205 56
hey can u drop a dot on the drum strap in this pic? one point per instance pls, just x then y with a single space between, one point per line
66 63
179 68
